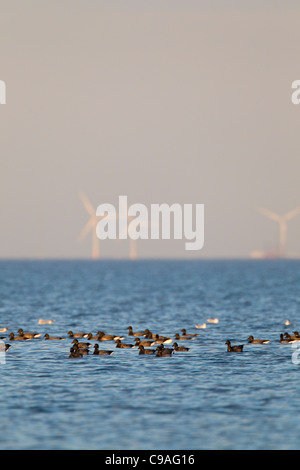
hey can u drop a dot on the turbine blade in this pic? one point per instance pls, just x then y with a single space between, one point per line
271 215
90 209
87 228
291 214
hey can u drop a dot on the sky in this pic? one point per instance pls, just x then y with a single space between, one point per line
164 101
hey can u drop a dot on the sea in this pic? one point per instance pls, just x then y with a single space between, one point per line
203 399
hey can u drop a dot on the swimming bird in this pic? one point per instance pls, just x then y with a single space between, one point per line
145 351
180 348
4 347
295 336
124 345
199 327
81 345
149 335
291 338
284 340
177 336
12 337
144 342
45 322
77 335
46 336
135 333
74 354
163 340
162 348
258 341
103 337
81 350
188 334
230 348
163 352
3 330
212 320
28 335
90 336
101 352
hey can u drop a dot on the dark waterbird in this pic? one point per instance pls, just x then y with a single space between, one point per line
74 354
163 352
177 336
104 337
46 336
28 335
144 342
230 348
83 351
258 341
101 352
81 344
77 335
294 337
180 348
284 340
135 333
12 337
183 331
124 345
145 351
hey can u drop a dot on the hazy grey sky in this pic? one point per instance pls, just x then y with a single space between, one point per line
163 101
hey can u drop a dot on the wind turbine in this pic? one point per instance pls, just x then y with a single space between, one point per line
90 226
282 220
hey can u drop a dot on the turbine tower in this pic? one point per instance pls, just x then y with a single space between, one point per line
282 220
90 226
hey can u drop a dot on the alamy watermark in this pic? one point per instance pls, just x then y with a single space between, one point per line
2 92
161 221
296 94
2 352
296 353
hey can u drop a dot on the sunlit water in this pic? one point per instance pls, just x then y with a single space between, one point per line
206 398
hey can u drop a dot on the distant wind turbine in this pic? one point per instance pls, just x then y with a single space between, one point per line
282 220
90 226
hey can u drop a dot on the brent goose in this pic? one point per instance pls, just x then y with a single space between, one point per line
84 351
16 338
46 336
77 335
124 345
144 342
74 354
230 348
284 340
188 334
145 351
103 337
258 341
28 335
177 336
101 352
81 345
180 348
135 333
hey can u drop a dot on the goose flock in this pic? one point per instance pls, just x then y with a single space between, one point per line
145 341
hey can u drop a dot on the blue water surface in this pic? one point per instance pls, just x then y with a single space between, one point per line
205 398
